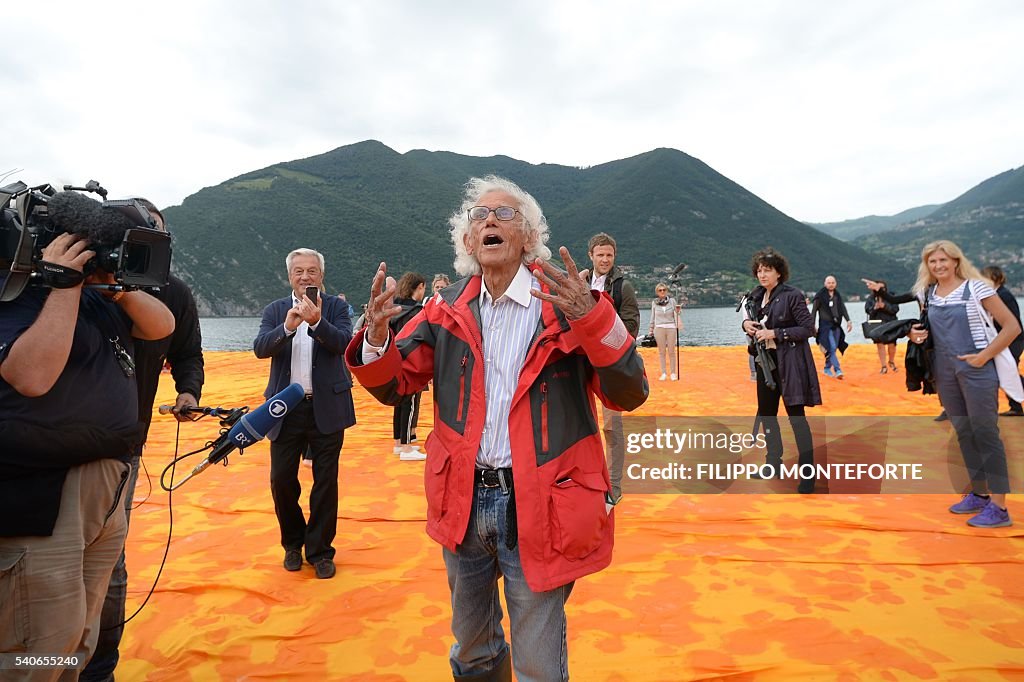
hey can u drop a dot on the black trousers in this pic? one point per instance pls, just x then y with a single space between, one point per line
299 432
768 409
403 424
1014 405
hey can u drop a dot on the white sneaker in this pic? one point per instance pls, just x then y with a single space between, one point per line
413 454
397 450
674 377
662 377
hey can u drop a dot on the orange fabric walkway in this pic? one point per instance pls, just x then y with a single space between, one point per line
738 587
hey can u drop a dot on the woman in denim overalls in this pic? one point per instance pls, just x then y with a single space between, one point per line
965 375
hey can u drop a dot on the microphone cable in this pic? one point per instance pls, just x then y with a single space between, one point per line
136 502
170 527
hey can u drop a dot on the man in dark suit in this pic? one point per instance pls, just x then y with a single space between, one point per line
306 339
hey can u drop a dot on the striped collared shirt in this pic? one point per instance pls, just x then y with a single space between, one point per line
507 326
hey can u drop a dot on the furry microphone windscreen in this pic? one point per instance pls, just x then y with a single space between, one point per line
78 214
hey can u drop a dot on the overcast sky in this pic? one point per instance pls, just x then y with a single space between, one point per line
827 110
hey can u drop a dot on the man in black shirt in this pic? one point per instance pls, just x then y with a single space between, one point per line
184 351
68 426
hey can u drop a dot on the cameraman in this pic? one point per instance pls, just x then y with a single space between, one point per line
68 426
184 351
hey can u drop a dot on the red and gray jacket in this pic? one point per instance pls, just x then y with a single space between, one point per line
558 463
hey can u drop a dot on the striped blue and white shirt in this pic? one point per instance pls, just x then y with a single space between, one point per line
507 326
979 291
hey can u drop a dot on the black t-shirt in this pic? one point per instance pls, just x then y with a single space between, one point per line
91 412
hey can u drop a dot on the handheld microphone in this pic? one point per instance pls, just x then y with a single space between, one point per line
252 427
198 409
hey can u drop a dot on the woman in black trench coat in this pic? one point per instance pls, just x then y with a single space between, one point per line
778 318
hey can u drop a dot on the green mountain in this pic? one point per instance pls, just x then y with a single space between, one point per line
987 222
855 228
364 203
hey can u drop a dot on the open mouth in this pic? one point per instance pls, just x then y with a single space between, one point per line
493 240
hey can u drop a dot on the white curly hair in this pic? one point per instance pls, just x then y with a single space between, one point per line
534 221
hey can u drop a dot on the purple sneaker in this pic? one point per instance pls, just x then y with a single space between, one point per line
970 504
992 516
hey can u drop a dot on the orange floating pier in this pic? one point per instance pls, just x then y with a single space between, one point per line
702 587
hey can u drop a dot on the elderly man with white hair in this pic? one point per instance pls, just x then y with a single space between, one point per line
515 479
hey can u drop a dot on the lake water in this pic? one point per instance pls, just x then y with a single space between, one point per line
701 327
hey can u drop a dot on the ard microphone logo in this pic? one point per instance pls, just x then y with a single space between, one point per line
278 408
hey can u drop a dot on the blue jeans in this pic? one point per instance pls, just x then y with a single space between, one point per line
106 656
831 346
537 618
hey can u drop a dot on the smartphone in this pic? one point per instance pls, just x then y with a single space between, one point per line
311 294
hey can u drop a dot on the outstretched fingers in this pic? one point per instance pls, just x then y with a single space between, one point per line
570 264
549 275
378 280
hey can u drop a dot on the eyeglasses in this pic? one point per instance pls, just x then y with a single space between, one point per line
503 213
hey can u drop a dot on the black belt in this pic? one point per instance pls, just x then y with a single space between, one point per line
502 478
495 478
308 396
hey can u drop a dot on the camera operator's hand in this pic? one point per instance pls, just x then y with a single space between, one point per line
69 251
750 327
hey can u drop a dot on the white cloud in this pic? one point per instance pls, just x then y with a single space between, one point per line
825 110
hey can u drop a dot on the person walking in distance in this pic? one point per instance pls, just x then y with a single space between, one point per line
831 311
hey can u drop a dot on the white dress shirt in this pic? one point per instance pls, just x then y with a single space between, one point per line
302 353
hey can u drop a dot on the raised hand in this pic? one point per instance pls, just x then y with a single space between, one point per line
381 307
571 294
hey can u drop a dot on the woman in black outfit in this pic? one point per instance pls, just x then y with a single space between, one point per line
409 295
778 318
879 311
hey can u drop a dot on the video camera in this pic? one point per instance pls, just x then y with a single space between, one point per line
122 232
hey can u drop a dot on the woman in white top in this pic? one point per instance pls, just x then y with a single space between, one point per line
664 325
961 305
